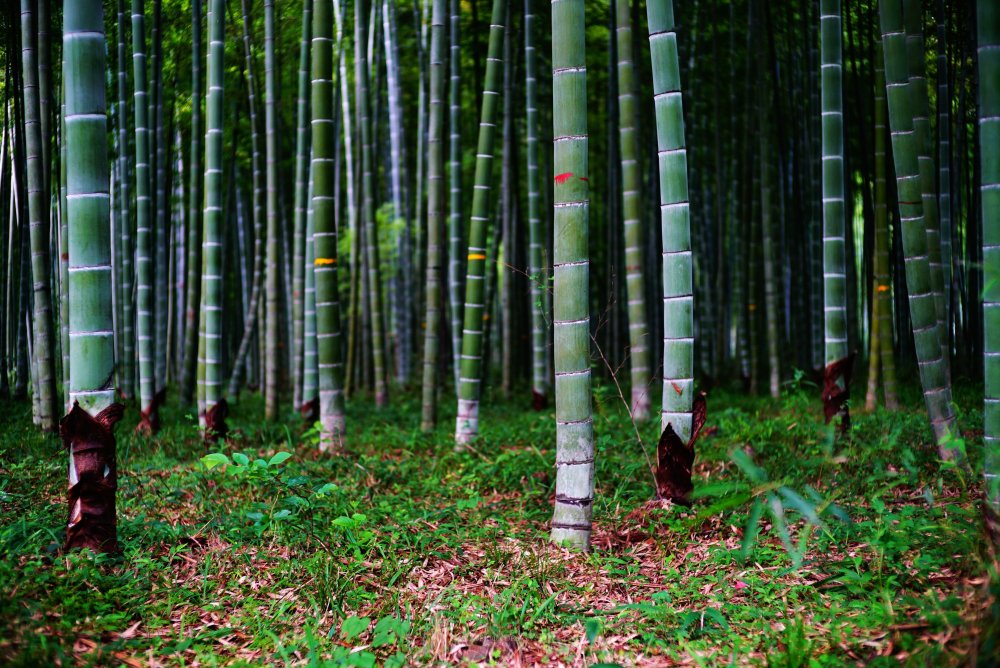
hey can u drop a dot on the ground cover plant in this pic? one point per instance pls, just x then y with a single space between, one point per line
800 549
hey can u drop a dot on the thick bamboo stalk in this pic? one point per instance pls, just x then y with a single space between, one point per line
353 206
905 152
638 322
158 173
44 336
421 22
192 316
143 236
571 519
675 217
914 26
455 228
435 217
127 363
63 256
944 168
988 28
302 153
536 232
310 357
883 279
471 368
328 335
834 210
368 197
507 227
403 311
250 322
211 376
272 338
87 429
44 59
770 278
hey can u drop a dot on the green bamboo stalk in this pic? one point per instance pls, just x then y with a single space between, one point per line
435 217
45 98
310 358
988 29
571 519
905 151
507 229
638 324
944 166
421 20
455 228
368 197
353 205
403 311
883 279
63 254
192 300
158 173
770 280
471 369
914 26
44 336
125 215
92 470
302 140
834 211
536 234
210 373
272 338
328 335
816 278
250 322
675 216
143 240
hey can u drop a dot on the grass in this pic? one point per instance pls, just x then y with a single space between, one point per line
800 550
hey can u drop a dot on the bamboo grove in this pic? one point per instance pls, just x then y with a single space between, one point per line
325 201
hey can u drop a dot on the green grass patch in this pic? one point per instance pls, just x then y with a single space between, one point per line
800 550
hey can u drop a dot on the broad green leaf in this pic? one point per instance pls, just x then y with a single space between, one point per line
361 660
278 458
353 626
240 458
214 459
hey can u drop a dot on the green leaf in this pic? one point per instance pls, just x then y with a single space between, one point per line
278 458
342 521
214 459
240 458
361 660
353 626
796 501
592 627
397 660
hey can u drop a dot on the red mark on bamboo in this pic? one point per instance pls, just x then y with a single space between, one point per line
563 178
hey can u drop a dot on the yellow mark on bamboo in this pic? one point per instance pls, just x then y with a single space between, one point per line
476 256
320 261
883 288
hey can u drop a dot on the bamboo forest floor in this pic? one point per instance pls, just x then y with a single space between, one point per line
402 552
